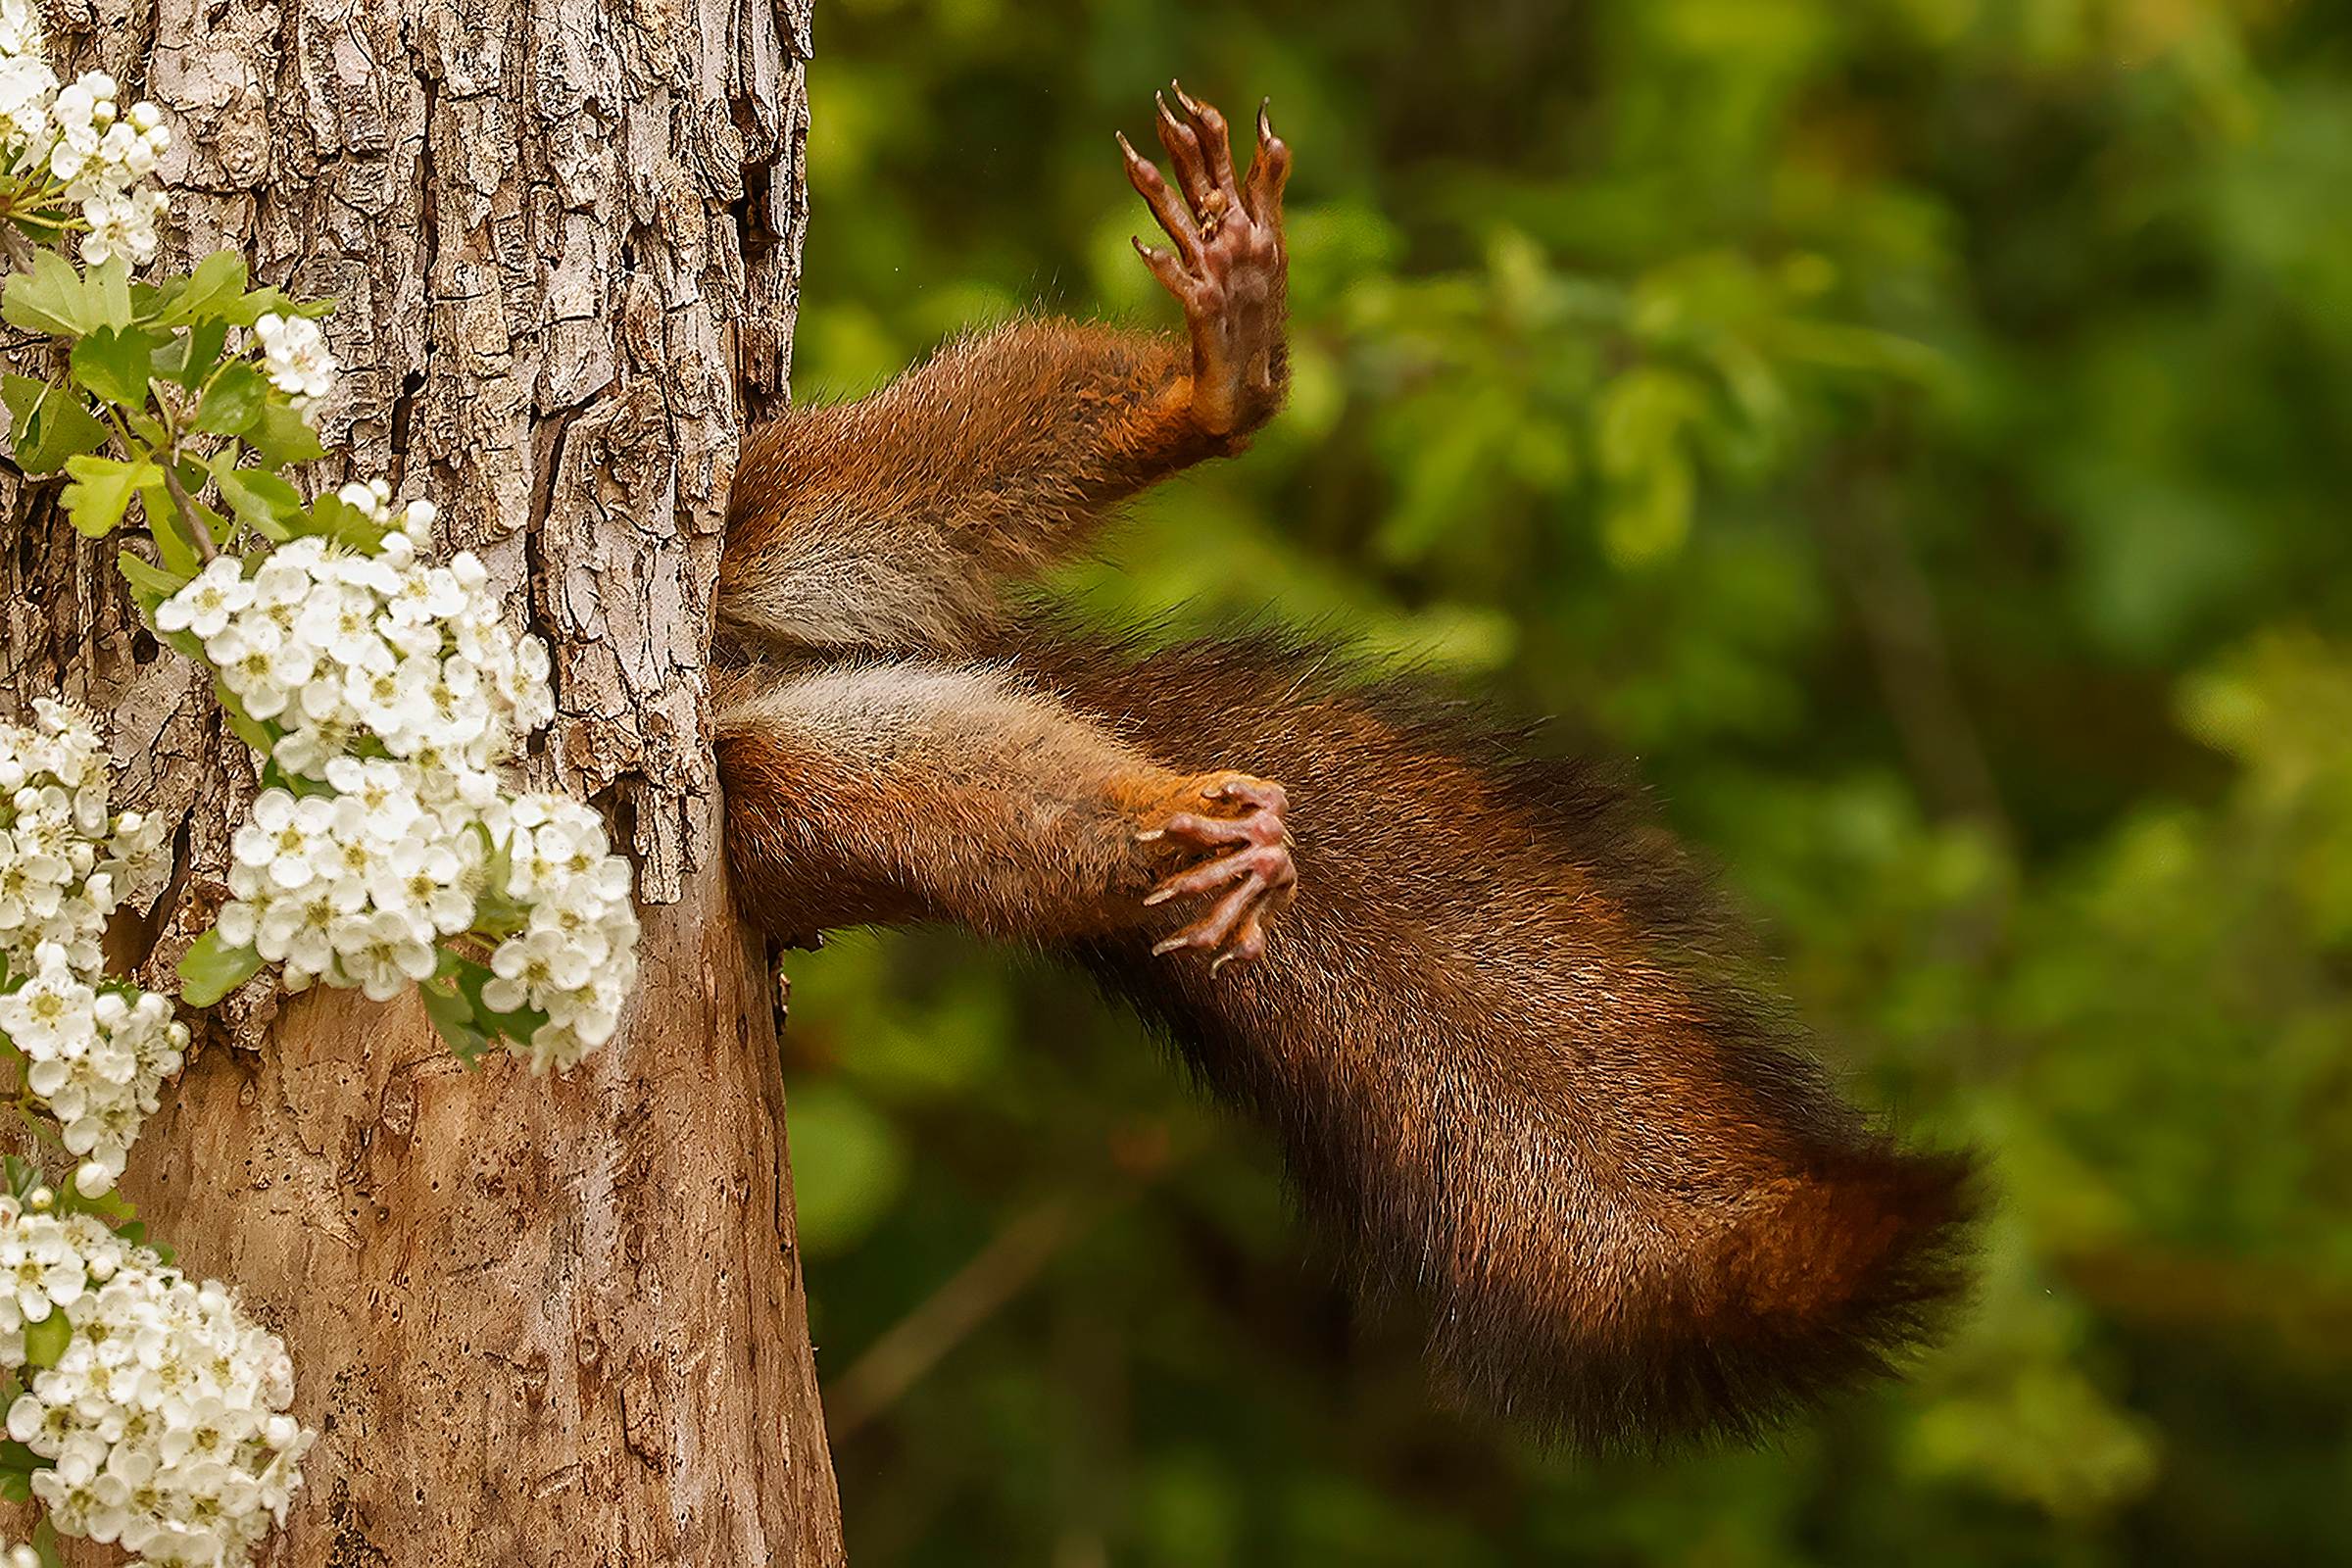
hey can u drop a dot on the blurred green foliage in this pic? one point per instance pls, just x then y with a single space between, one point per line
1921 431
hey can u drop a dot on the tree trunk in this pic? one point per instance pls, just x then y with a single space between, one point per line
537 1321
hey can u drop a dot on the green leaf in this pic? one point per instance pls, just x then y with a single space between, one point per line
23 1175
102 489
49 423
52 297
17 1461
194 354
1643 420
217 286
150 584
346 524
452 1014
24 396
45 1545
495 913
116 364
211 969
46 1340
233 400
110 292
281 435
260 497
270 301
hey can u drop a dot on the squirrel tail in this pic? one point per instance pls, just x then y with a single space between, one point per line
1514 1055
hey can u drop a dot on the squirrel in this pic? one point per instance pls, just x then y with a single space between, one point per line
1507 1041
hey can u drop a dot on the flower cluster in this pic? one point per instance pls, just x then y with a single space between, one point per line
161 1414
295 357
96 1057
65 860
79 143
575 957
395 693
20 30
336 645
94 1054
104 154
27 84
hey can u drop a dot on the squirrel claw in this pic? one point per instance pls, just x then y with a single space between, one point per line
1229 266
1253 866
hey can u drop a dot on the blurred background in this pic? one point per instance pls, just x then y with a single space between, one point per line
1920 432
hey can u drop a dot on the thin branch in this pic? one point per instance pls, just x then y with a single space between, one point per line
1896 608
974 1294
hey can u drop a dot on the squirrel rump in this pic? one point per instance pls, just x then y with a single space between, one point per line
1513 1051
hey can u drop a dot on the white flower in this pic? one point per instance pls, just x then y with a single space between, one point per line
102 156
293 930
40 1272
283 836
206 602
384 953
295 357
49 1014
81 113
95 1059
435 881
123 223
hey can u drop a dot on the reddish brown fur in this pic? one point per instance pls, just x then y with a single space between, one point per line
1513 1057
988 461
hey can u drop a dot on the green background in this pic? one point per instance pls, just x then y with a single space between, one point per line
1918 433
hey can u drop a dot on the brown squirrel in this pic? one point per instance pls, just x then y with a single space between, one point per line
1495 1019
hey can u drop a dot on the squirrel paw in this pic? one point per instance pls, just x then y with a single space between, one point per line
1253 866
1229 265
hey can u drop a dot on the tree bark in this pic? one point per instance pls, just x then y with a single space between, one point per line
537 1321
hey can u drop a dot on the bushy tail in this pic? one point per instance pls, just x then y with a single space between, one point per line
1510 1049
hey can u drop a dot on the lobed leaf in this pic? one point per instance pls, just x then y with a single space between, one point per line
102 489
115 363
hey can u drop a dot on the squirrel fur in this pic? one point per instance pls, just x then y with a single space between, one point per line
1515 1056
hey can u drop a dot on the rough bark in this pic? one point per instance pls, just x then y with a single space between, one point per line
537 1321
